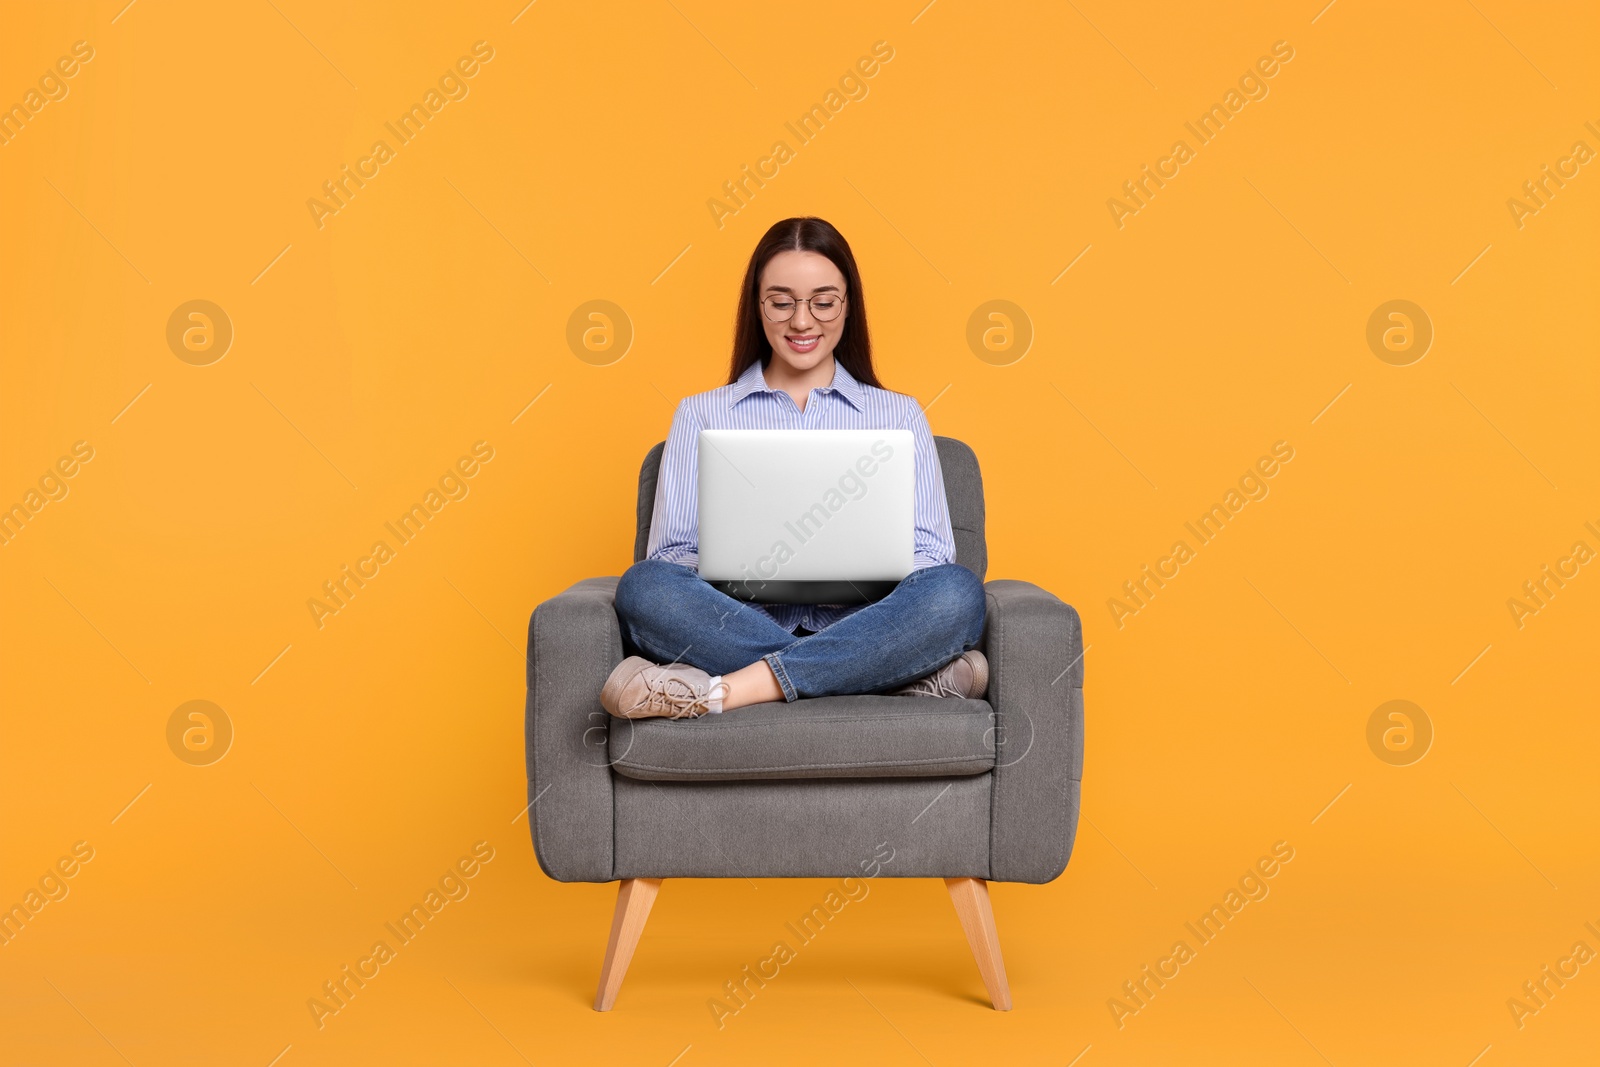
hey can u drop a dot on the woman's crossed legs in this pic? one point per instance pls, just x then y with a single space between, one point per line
672 616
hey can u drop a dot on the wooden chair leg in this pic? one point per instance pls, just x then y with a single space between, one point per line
971 898
634 898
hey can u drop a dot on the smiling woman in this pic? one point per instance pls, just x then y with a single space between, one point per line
802 360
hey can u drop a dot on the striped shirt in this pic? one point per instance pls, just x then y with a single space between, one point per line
750 404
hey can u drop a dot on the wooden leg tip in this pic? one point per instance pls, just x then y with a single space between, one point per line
634 898
971 898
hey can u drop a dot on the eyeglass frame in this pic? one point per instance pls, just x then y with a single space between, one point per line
798 300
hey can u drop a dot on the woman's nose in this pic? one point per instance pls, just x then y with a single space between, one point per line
802 317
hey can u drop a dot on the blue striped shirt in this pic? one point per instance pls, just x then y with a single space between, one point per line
750 404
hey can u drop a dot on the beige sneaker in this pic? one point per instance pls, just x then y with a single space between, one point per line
639 689
966 676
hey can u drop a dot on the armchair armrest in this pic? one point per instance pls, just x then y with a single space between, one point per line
1034 644
574 642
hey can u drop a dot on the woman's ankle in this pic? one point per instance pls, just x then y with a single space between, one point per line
755 684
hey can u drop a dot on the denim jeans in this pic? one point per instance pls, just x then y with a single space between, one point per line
669 615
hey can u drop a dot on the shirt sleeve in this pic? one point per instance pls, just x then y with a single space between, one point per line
675 521
935 543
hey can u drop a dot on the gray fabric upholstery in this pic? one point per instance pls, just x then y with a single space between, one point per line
573 643
937 827
1034 644
1004 807
649 472
963 488
824 737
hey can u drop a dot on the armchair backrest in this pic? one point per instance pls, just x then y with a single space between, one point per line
963 488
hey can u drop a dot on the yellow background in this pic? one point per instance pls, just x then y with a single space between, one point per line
430 311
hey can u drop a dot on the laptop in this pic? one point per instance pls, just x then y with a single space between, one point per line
806 516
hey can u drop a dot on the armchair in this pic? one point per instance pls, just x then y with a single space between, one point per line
970 791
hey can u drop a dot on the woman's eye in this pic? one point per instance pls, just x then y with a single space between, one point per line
783 305
822 305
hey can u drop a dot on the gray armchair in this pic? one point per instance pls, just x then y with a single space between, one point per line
970 791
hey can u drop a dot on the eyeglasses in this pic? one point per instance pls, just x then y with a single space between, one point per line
780 307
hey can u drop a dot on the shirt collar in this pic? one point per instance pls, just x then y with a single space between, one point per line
754 380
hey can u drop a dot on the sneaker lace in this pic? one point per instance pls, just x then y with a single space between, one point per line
938 684
675 698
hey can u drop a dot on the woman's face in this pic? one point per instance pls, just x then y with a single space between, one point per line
803 342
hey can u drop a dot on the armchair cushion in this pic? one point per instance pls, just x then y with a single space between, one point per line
822 737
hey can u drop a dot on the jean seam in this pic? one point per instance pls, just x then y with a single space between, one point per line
772 661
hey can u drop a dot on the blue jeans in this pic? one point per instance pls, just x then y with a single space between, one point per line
671 616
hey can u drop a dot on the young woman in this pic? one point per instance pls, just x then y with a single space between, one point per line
802 359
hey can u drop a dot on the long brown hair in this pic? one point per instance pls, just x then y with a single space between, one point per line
807 234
